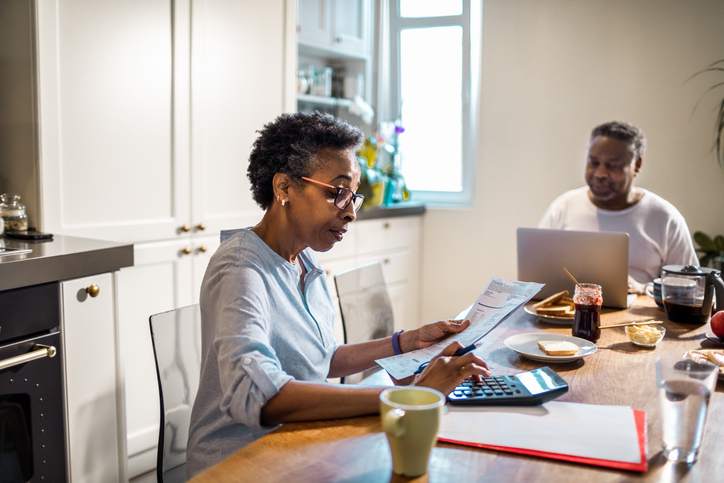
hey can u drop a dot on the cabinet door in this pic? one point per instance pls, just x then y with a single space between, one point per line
160 280
351 20
93 419
109 167
238 85
314 19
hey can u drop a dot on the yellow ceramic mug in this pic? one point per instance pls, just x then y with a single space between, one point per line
411 419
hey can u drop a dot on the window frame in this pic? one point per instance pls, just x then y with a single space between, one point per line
470 20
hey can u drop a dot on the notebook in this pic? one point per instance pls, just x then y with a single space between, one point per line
599 435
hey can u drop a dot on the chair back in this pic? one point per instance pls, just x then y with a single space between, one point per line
366 308
176 337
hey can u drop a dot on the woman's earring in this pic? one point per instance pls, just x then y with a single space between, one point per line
284 202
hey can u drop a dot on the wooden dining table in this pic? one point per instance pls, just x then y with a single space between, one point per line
619 373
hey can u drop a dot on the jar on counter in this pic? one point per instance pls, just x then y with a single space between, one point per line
13 213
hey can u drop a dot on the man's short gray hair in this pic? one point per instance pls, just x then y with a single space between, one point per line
625 132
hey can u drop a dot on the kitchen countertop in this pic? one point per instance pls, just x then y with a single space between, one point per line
409 208
63 258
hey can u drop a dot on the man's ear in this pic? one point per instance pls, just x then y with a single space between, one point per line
638 163
280 184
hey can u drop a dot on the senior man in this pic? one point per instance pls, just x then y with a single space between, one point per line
611 201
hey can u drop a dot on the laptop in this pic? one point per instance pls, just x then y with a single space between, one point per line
591 256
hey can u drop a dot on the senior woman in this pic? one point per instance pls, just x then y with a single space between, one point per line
267 314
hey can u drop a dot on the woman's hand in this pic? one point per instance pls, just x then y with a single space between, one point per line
430 334
445 373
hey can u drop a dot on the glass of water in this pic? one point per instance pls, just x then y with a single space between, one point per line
685 388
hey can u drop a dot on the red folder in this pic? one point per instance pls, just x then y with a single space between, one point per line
642 465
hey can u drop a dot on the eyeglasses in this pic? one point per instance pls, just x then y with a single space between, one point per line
343 196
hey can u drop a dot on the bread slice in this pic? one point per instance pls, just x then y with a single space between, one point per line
552 299
561 310
558 347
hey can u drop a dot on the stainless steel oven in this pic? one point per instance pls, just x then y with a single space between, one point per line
32 438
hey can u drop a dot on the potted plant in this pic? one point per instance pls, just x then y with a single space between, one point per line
710 250
716 68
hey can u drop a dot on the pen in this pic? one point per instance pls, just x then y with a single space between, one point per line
460 352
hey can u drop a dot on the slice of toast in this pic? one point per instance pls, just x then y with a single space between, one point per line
558 347
562 310
552 299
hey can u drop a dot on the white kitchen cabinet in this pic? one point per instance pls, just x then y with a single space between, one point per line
108 167
338 27
237 66
96 445
154 106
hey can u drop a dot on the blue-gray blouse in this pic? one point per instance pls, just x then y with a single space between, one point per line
259 331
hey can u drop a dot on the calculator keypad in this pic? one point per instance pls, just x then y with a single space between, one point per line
499 387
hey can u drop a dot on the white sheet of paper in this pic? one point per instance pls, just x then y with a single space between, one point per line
586 430
499 299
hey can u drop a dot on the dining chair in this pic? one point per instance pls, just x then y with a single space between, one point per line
365 307
176 338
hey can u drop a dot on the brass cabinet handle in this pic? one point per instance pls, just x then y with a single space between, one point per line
186 251
202 248
93 290
184 228
200 227
386 261
386 225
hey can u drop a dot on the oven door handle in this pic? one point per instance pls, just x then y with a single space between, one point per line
39 351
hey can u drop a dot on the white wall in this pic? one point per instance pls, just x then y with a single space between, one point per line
551 71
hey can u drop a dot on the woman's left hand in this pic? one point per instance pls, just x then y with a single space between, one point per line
430 334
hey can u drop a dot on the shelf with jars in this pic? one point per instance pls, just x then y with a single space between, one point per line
324 101
335 87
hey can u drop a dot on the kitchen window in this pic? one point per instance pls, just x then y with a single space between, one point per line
433 78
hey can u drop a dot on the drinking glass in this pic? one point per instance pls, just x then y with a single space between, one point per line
685 388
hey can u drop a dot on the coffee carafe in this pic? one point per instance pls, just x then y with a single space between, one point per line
689 292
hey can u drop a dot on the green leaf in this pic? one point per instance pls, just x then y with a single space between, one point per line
719 243
720 133
704 241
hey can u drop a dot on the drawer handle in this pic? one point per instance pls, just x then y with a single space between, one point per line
202 249
386 261
39 351
200 227
184 228
93 290
386 225
186 251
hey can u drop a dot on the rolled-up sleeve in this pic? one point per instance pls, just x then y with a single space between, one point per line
250 372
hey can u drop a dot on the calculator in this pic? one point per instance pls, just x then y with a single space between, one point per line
525 389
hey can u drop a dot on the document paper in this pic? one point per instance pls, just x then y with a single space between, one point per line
583 430
499 299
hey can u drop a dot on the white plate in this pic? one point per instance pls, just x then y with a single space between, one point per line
551 319
527 345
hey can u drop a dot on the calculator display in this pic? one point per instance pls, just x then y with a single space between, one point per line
537 381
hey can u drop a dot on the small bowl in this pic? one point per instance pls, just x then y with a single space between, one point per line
629 329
